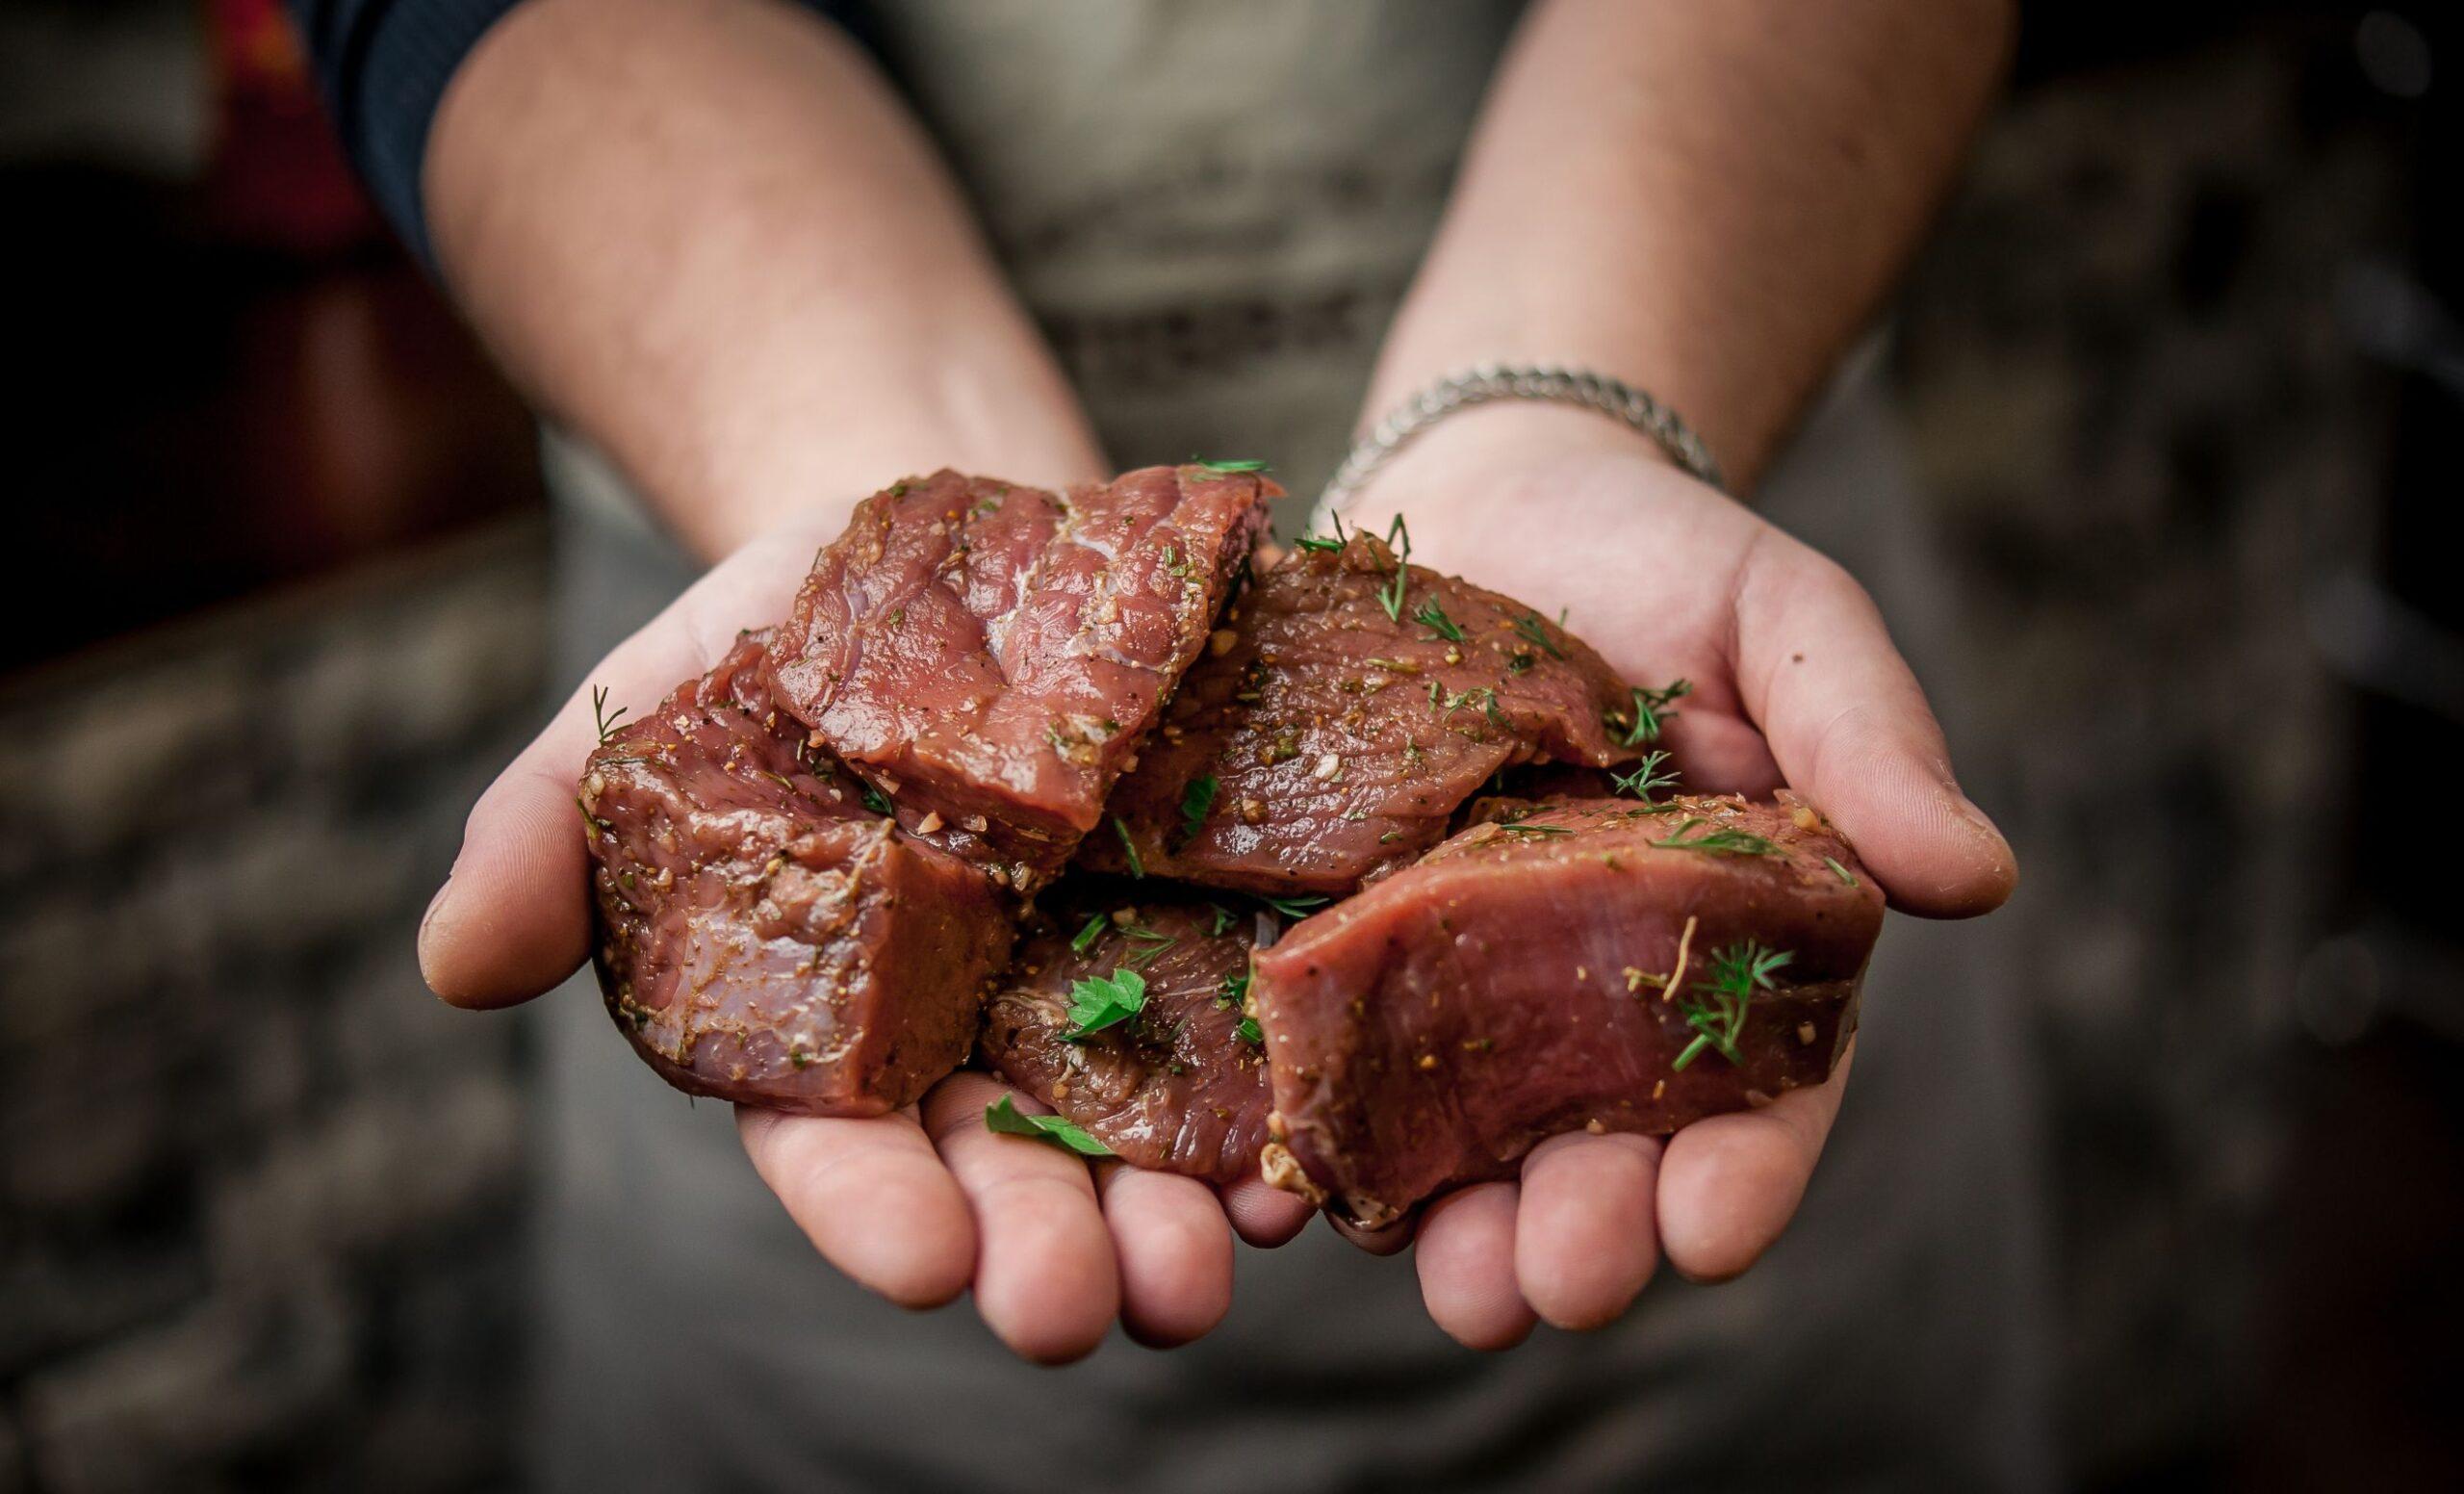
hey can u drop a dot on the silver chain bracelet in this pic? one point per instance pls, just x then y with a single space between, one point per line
1489 382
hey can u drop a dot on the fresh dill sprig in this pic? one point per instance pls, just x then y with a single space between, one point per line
1398 537
1003 1116
1432 617
1651 713
1129 848
1529 627
1845 874
1293 907
1483 698
876 801
1512 827
1718 1018
1323 544
1197 799
598 712
1101 1001
1722 842
1155 945
1084 939
1648 777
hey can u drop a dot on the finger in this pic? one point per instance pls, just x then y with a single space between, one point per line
1465 1259
513 917
1175 1250
1851 729
1264 1213
1730 1184
1045 1278
1384 1240
1717 751
1584 1241
872 1196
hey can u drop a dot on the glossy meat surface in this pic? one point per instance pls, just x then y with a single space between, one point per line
1177 1088
989 655
1338 739
762 935
1515 984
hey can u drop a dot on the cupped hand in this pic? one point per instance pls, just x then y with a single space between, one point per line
917 1206
1794 683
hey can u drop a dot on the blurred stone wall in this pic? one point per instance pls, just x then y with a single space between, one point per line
259 1194
2147 438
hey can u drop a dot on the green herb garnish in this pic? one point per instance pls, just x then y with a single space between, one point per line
1250 1032
1647 778
1229 467
1129 848
1845 875
1651 713
1086 937
1293 907
1235 990
1223 917
876 801
1517 829
1004 1117
1432 617
1155 945
1391 595
1483 698
1197 799
1718 1018
1718 843
1529 627
1323 544
1101 1001
599 711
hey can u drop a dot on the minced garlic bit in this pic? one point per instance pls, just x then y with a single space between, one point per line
1329 766
1804 1032
930 822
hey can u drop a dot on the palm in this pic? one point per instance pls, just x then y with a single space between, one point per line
1795 681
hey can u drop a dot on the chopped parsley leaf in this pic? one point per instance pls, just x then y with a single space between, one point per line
1004 1117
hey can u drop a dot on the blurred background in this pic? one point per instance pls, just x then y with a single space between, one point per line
2182 373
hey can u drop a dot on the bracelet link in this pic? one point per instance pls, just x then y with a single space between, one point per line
1544 382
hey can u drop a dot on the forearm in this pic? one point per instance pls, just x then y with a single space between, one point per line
1708 198
707 236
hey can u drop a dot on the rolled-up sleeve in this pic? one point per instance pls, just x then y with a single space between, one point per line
383 66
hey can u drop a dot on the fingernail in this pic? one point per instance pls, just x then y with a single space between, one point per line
427 921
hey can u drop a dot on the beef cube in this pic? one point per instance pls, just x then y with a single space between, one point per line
764 938
1180 1084
1598 964
1331 736
988 655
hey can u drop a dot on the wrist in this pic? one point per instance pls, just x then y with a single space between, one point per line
1490 459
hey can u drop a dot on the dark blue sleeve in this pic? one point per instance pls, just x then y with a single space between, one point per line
382 66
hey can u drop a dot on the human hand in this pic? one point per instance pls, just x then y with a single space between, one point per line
919 1205
1795 683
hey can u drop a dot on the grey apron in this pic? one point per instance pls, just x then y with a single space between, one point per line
1213 211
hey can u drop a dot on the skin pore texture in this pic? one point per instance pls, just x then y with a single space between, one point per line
707 236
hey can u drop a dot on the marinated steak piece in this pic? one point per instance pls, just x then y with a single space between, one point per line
1576 964
988 655
1177 1086
1328 735
764 936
